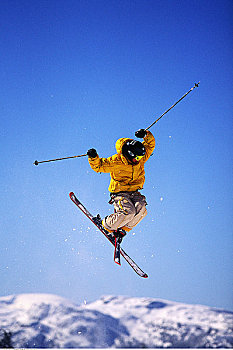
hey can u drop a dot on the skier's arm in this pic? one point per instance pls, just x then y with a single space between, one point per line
100 165
149 142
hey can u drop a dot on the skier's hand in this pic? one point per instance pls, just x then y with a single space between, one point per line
141 133
92 153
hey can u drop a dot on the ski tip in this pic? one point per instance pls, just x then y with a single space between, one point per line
145 275
71 194
117 262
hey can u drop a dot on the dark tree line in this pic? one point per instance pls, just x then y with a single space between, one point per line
5 339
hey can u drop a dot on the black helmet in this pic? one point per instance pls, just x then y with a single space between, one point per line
133 149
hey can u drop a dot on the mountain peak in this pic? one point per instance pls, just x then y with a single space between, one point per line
50 321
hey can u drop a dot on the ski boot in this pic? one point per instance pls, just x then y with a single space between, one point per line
97 220
119 234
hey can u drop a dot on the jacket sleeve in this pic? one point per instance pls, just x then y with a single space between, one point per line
101 165
149 144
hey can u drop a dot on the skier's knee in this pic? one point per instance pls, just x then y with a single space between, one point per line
143 211
136 219
117 220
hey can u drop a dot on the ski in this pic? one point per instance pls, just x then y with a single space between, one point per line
118 250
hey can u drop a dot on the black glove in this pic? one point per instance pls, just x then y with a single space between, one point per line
141 133
92 153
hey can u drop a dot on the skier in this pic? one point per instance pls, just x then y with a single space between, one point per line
127 173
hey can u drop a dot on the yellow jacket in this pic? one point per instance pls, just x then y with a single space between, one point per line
124 175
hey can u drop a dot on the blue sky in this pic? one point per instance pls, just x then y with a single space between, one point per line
81 74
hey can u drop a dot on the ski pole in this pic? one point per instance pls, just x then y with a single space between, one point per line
196 85
54 160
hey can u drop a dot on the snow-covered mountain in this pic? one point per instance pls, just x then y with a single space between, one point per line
49 321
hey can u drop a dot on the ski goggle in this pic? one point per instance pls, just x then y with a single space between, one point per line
138 158
134 157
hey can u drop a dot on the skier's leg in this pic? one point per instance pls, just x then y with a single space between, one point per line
124 213
141 211
136 219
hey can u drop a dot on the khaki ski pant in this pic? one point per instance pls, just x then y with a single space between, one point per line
130 209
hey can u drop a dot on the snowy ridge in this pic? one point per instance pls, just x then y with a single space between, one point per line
50 321
161 323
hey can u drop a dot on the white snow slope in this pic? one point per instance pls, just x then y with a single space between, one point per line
50 321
